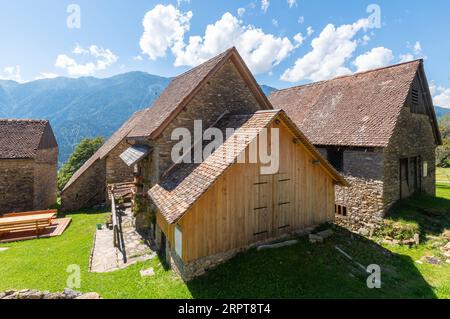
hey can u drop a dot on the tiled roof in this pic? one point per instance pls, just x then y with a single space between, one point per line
20 138
356 110
173 96
185 183
107 147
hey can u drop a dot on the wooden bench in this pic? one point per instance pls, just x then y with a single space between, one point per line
38 212
26 222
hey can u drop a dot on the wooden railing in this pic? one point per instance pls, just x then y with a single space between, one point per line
117 228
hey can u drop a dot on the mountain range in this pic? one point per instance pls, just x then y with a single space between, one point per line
87 106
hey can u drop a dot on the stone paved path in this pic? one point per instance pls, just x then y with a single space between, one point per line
106 257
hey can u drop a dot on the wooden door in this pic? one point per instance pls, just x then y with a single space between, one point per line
282 206
261 219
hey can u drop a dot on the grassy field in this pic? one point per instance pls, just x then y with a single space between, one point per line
301 271
443 175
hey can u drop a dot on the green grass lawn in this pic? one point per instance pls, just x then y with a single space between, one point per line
443 175
301 271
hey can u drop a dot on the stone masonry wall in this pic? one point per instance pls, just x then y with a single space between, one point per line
45 176
363 169
364 202
226 90
413 136
16 185
116 169
88 190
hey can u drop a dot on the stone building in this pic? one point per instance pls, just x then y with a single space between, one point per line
88 186
28 165
378 128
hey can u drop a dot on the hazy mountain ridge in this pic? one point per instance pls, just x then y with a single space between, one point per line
88 106
82 107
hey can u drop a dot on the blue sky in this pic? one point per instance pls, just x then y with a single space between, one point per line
274 37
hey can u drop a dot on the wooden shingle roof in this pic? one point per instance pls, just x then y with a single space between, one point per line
185 183
22 138
359 110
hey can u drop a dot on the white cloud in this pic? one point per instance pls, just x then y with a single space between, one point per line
365 39
265 5
299 38
103 58
376 58
180 2
441 95
45 75
417 53
241 12
260 51
330 51
292 3
137 58
406 57
164 27
11 73
275 22
301 19
309 31
417 48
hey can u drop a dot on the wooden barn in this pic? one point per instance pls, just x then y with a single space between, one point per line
210 211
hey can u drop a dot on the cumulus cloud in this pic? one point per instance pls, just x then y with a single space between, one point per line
377 57
260 51
441 95
292 3
102 59
164 28
275 22
309 31
265 5
11 73
330 52
301 19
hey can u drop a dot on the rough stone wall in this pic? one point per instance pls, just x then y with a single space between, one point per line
413 136
364 202
365 164
16 185
364 170
225 91
45 176
88 190
116 169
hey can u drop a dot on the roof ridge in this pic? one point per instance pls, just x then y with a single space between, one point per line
221 55
22 120
350 75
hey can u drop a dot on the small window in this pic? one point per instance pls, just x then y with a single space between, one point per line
415 96
425 169
340 210
336 158
178 241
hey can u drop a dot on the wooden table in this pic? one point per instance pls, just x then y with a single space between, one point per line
26 223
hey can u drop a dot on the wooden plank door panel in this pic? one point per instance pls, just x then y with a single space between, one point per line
282 204
262 208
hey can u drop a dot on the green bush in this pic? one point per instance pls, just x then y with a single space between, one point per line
400 230
84 150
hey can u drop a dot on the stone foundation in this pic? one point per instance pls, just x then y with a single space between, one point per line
364 202
27 294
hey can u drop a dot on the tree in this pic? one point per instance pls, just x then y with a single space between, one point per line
443 152
83 151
